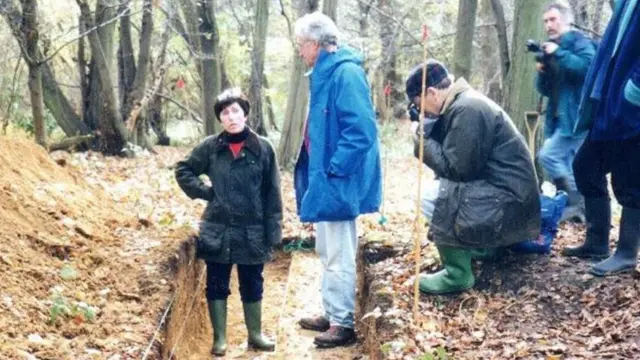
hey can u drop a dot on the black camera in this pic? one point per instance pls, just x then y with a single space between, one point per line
414 113
535 47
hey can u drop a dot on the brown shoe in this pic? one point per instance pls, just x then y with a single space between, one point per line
319 323
335 336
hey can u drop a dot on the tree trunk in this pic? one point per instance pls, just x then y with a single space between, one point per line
596 20
157 121
330 8
105 10
267 98
137 88
363 20
194 37
30 31
59 106
389 31
210 65
113 134
191 20
256 117
503 40
154 112
126 59
298 95
463 46
225 83
487 61
54 99
579 8
520 94
82 68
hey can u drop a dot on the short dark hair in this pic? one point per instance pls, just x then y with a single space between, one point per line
444 84
437 77
228 97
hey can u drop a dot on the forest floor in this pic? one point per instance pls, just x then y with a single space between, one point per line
94 249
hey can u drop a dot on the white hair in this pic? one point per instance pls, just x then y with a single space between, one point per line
564 10
318 27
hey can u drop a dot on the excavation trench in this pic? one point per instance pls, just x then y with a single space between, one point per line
292 290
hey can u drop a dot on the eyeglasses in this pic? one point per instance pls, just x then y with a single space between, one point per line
300 44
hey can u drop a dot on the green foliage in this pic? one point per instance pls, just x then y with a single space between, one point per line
24 121
63 308
440 353
385 349
68 272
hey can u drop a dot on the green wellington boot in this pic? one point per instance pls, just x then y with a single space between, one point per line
456 275
253 320
218 317
626 256
487 254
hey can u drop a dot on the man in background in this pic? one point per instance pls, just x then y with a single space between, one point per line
562 68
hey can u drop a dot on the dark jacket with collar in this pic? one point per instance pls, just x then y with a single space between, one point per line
488 195
243 217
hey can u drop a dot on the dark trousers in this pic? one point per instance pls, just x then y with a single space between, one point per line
621 159
249 276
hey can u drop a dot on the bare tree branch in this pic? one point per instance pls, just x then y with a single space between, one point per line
13 16
288 21
244 30
585 29
80 36
400 24
7 115
193 114
503 41
176 25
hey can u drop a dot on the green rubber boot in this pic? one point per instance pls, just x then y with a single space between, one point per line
487 254
253 320
456 275
218 317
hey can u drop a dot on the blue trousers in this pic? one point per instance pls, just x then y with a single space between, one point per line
336 244
557 155
249 276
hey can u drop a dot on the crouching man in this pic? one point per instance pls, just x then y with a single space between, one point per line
488 194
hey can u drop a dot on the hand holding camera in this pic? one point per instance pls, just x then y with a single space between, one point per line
543 52
549 47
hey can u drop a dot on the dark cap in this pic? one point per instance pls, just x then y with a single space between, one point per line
436 72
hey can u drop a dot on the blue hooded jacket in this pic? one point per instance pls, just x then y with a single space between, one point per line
339 177
610 104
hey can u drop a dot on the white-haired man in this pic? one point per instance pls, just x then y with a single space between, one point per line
337 176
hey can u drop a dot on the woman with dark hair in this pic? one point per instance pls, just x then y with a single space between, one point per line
243 217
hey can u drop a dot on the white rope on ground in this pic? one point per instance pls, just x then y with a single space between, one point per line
193 299
184 322
284 304
162 320
155 333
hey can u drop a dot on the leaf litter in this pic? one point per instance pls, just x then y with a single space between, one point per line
96 234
